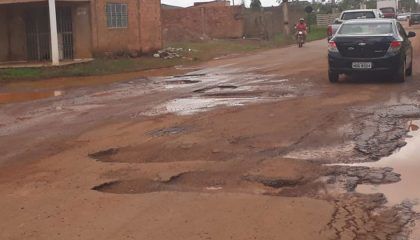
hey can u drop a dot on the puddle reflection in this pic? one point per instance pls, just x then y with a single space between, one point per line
11 97
406 162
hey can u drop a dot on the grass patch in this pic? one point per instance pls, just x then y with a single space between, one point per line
211 49
317 33
100 66
200 51
19 73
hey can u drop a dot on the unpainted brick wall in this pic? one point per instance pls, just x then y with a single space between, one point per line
197 23
143 33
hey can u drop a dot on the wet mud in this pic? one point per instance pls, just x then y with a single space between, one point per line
12 97
190 140
168 131
104 154
384 131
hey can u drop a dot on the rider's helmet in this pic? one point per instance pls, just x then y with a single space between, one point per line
301 20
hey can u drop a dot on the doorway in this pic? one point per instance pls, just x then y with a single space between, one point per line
38 39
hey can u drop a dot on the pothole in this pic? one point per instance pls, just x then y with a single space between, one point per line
192 105
219 87
135 186
168 131
179 82
191 75
405 162
274 182
104 154
198 181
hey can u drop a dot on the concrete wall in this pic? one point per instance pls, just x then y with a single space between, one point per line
269 22
143 33
4 36
202 22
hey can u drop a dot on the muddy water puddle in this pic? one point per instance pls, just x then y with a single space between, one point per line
188 106
406 162
221 87
11 97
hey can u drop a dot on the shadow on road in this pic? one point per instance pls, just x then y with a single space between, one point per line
368 79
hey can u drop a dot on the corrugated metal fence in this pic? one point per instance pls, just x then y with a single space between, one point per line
326 19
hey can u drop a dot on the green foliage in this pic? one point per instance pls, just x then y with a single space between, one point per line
316 33
355 4
19 73
311 19
371 4
255 4
409 5
322 8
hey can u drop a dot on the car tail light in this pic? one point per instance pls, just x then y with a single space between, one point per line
332 46
329 31
394 47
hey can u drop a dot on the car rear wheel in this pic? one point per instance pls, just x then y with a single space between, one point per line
333 76
400 74
409 70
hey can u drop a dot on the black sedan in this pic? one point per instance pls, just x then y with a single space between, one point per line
362 46
413 19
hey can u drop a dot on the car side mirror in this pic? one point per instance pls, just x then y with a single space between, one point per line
337 21
411 34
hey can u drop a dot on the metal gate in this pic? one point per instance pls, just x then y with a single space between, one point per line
65 32
38 34
38 39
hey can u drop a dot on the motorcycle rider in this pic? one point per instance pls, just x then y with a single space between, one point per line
301 26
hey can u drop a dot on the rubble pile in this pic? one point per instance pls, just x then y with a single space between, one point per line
170 52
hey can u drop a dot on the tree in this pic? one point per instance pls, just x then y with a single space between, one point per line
408 5
255 4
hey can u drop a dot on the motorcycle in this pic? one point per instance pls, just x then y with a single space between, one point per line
300 39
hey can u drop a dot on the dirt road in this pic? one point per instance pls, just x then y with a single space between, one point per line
237 148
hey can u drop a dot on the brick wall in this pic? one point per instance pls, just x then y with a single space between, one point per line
150 25
143 33
202 22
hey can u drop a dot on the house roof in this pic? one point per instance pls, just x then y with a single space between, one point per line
167 6
28 1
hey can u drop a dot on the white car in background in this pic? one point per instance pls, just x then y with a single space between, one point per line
403 16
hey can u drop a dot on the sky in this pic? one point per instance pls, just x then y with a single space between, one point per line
186 3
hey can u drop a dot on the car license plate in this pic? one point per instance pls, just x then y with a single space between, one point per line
362 65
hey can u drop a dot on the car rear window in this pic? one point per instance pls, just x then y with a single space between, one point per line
415 16
371 28
357 15
387 10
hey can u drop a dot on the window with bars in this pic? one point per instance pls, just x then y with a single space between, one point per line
117 15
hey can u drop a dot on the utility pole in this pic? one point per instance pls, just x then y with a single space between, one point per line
285 8
333 7
54 36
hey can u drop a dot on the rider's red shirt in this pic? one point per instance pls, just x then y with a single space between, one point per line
301 27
